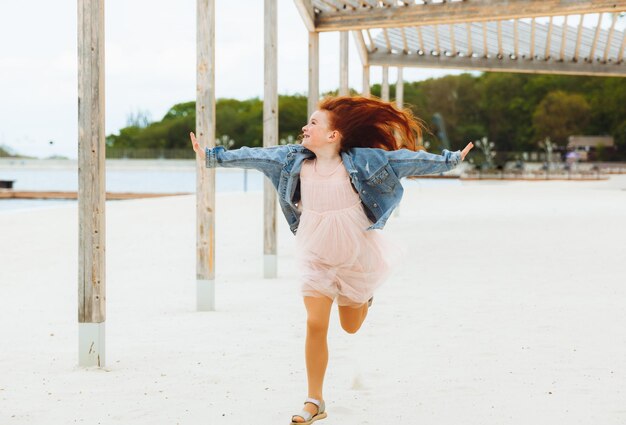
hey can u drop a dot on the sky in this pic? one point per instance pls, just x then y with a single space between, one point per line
150 64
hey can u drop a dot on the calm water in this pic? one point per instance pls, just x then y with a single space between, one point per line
123 180
137 181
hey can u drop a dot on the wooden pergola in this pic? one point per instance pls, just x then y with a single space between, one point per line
533 36
486 35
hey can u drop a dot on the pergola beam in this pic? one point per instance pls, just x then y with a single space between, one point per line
400 90
454 12
314 73
384 90
361 47
305 7
502 65
365 92
344 89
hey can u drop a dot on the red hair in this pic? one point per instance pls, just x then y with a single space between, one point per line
372 123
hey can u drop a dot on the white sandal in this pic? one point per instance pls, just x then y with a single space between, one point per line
308 417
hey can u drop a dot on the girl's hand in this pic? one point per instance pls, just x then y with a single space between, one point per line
196 146
464 152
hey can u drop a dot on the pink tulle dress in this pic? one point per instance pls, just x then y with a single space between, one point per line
337 257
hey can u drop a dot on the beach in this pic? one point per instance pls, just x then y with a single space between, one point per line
508 309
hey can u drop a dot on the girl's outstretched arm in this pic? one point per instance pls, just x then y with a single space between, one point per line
196 146
466 149
407 163
267 160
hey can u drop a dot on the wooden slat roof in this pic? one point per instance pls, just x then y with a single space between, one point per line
520 45
547 36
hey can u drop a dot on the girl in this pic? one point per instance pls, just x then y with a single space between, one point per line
335 189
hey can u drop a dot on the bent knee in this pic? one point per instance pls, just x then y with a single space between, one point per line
350 328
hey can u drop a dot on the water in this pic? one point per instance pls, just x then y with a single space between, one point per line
132 179
151 177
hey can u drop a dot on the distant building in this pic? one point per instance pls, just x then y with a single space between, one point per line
587 145
586 142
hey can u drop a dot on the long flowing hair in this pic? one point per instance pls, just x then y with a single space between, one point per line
372 123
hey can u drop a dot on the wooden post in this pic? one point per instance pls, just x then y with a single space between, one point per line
91 185
384 91
399 105
314 72
270 136
400 89
344 89
366 81
205 177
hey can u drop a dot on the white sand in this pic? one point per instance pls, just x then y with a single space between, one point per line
511 311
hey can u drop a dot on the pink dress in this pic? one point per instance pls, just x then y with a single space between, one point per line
337 256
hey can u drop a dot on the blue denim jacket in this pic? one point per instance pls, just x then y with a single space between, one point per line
375 173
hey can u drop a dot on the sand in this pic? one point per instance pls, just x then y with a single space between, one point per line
509 310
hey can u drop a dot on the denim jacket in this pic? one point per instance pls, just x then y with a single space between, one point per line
375 173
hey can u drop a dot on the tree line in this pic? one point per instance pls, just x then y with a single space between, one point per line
515 111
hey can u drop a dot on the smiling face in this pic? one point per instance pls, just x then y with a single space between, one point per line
318 135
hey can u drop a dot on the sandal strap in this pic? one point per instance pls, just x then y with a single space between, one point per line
304 415
314 401
307 416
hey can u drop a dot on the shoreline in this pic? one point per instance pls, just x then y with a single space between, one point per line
21 194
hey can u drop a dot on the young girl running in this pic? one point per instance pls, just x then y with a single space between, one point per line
336 189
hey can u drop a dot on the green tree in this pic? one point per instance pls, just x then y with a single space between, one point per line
513 110
292 115
504 110
560 115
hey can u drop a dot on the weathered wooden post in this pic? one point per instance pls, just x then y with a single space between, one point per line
363 54
384 89
270 136
91 185
314 72
366 81
399 105
205 177
400 89
344 89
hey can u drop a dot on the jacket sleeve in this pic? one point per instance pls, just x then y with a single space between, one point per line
405 162
267 160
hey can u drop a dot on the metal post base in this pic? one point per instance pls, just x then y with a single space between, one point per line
269 266
91 344
205 295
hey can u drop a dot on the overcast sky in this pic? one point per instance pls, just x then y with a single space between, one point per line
150 63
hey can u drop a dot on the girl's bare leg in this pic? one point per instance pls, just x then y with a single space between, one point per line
352 317
316 347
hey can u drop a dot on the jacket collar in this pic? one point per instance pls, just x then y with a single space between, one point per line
349 164
345 156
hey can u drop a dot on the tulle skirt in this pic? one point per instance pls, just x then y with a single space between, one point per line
338 258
